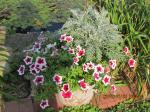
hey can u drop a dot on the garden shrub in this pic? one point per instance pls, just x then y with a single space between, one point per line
60 9
25 13
35 13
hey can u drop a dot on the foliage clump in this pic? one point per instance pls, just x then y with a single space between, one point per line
24 13
96 34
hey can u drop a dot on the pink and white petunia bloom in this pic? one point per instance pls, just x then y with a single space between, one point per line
58 79
90 65
78 48
85 67
66 95
75 60
44 104
82 84
40 67
35 69
126 50
99 68
106 80
37 46
43 67
62 38
38 80
112 64
131 63
40 61
96 76
65 88
28 60
81 53
32 66
113 88
69 39
21 69
71 51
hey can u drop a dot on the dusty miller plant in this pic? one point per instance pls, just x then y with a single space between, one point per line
93 30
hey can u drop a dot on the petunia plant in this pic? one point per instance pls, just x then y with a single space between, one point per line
68 70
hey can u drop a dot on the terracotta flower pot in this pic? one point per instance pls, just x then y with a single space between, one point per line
79 97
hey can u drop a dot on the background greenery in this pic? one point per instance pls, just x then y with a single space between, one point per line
27 14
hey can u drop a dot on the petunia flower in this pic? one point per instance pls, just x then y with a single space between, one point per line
65 88
131 63
34 71
113 88
75 60
126 50
28 60
71 51
32 66
85 67
112 64
78 48
40 67
90 65
69 39
82 84
81 53
44 104
99 68
40 61
37 46
38 80
62 38
106 80
67 95
96 76
21 69
58 79
43 67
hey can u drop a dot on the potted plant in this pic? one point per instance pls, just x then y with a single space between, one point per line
86 58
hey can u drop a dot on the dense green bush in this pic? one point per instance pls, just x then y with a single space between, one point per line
35 13
25 13
60 9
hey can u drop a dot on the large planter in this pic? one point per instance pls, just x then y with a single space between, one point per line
79 98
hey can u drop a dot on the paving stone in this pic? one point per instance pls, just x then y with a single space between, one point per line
24 105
